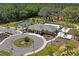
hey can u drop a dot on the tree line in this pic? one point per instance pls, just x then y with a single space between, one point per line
50 12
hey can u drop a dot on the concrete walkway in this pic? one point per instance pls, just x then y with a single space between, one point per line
52 39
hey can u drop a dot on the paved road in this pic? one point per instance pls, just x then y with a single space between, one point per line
11 30
7 45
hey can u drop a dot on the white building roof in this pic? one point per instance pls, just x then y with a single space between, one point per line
61 34
68 36
65 30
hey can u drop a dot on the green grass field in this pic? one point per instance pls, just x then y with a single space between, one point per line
4 52
47 50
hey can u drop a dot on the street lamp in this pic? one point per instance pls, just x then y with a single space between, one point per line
33 48
12 51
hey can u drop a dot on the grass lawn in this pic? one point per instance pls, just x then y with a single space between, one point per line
13 24
47 50
4 53
17 42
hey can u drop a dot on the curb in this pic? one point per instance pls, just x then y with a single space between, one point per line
4 40
9 36
52 39
7 39
41 48
29 53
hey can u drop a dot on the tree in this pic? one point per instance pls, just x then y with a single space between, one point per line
72 13
45 13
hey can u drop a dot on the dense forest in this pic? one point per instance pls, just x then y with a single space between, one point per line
50 12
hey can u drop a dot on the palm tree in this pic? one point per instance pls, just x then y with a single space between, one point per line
76 53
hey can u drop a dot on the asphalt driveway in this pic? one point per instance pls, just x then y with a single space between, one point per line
17 51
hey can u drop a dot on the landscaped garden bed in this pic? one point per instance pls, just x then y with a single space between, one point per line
23 42
8 33
4 53
5 35
48 37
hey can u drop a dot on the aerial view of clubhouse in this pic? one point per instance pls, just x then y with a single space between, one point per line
39 30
